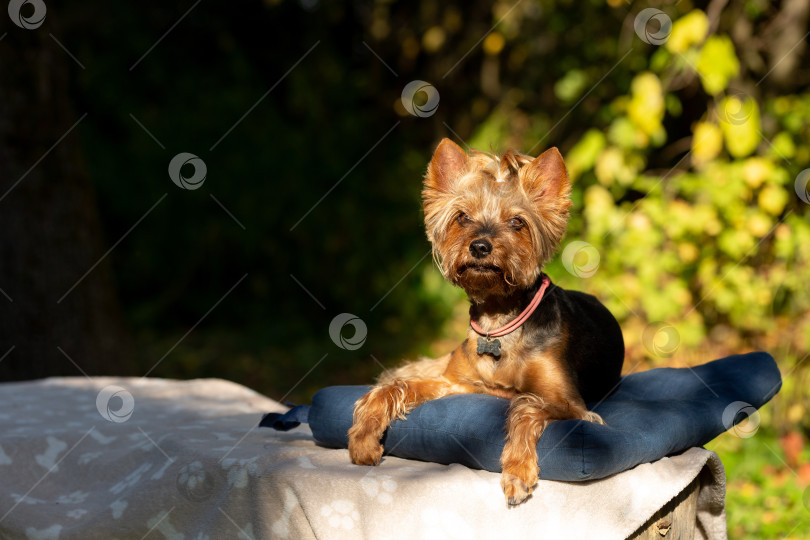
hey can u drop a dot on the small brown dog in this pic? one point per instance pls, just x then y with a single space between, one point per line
493 223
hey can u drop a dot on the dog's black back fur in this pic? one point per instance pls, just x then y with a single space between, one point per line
593 342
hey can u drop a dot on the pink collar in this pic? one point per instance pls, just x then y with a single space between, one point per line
515 323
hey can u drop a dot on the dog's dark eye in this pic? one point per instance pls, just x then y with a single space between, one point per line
463 219
517 223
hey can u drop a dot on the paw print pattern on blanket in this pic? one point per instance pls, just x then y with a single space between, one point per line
26 499
87 457
76 514
281 527
4 459
161 522
73 498
195 483
239 470
51 533
341 514
379 487
118 508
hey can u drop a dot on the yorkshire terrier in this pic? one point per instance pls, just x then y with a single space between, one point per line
494 221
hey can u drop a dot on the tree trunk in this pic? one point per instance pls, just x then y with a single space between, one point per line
50 235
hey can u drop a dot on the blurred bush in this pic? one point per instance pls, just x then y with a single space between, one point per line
684 171
726 228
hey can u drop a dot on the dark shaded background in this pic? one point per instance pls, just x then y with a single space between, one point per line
311 204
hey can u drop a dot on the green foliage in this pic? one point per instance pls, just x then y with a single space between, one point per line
722 220
764 497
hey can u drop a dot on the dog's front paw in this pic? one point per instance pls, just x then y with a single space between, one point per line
518 482
365 451
515 489
591 416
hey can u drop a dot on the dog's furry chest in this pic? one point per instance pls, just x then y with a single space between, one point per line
502 376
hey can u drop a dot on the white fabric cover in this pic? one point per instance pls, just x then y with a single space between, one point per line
184 460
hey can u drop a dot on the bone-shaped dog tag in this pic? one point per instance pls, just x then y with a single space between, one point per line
489 346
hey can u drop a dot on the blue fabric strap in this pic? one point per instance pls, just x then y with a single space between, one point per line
288 420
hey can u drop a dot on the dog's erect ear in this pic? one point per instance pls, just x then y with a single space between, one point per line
545 177
448 162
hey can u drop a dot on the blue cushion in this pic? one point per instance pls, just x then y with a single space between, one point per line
651 414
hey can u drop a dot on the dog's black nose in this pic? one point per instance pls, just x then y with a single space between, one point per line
480 248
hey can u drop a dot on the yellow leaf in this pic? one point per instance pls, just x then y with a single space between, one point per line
740 125
598 200
717 64
707 142
646 107
434 38
494 43
639 222
756 170
772 199
687 31
583 156
687 252
759 225
608 164
795 413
